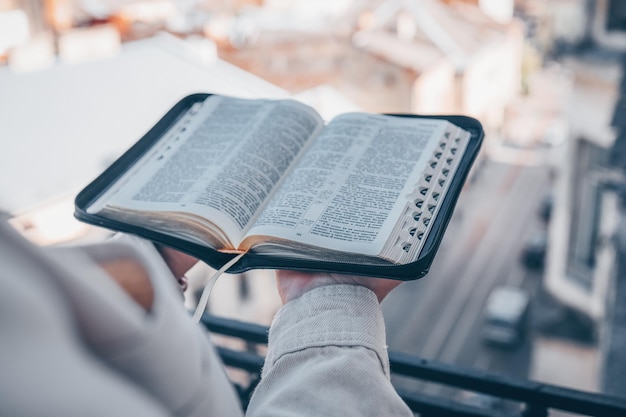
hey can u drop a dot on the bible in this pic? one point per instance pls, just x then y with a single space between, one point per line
365 194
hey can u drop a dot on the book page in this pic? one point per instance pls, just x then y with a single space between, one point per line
348 190
220 164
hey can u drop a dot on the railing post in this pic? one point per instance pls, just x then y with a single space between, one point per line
538 398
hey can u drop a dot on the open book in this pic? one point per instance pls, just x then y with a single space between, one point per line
365 194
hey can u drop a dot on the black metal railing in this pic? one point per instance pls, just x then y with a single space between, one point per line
533 399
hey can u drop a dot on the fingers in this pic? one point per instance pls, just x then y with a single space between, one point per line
292 284
178 262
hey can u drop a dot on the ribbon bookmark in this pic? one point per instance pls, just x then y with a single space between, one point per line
208 287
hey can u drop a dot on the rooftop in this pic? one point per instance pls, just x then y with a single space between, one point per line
77 107
457 31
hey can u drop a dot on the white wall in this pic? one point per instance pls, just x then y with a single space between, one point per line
433 91
492 78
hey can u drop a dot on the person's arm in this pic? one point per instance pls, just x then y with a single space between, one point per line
144 331
46 367
178 263
327 352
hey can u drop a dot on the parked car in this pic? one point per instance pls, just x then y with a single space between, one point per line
545 207
534 251
505 317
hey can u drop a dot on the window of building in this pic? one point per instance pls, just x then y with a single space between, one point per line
616 17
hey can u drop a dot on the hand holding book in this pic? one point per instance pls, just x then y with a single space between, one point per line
292 284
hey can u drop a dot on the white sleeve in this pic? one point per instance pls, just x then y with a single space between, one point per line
162 350
46 369
327 356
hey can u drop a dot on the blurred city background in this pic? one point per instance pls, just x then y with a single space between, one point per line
539 221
